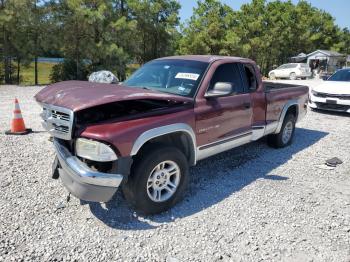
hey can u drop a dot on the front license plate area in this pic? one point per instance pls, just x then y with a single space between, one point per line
330 101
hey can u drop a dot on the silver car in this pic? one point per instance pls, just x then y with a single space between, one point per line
291 71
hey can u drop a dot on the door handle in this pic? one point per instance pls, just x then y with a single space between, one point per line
246 105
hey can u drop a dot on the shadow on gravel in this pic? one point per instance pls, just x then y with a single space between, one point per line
212 180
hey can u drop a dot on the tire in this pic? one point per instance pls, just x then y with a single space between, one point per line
292 76
147 173
281 139
303 78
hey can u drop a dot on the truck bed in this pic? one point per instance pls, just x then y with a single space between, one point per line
278 94
273 86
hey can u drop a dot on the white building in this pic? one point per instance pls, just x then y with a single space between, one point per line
324 61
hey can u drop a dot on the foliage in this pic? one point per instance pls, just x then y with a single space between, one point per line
209 30
156 22
108 33
67 71
268 32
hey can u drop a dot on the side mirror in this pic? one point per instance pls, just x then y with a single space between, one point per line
220 89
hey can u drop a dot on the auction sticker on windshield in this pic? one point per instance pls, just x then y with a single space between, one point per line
189 76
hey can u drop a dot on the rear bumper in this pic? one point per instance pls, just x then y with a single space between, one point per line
304 75
83 182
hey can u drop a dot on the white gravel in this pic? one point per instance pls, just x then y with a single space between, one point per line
249 204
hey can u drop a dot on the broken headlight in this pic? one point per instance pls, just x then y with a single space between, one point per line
94 150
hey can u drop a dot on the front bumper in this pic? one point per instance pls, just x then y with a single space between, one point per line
337 105
83 182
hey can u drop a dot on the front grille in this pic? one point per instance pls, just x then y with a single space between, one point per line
325 95
334 107
58 121
60 115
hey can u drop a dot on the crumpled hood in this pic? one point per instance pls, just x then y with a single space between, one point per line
333 87
78 95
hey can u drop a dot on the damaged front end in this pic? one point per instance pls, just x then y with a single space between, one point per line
82 181
91 169
126 110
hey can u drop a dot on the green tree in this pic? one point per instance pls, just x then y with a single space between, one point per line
156 22
343 46
6 20
95 33
23 23
209 30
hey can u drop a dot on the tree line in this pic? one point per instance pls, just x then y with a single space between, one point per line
113 34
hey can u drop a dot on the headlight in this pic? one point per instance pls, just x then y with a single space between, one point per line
94 150
314 93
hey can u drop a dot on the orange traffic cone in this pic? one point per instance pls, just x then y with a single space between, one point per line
17 124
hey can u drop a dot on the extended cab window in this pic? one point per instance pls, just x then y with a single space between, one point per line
229 73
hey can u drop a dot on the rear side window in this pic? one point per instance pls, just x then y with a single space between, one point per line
287 66
229 73
304 65
249 75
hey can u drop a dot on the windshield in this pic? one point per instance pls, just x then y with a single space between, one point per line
342 75
175 76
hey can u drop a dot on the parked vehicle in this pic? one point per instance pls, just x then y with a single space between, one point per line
333 94
291 71
143 135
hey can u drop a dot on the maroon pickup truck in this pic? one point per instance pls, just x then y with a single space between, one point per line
144 134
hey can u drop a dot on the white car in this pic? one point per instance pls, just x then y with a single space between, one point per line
333 94
291 71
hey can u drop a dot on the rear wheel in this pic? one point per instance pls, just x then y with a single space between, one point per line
292 76
285 136
159 179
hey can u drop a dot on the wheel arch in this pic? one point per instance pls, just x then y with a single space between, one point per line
291 107
180 135
293 73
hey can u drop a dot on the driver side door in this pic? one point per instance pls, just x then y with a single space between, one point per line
224 122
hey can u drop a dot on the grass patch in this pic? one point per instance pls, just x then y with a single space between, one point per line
44 71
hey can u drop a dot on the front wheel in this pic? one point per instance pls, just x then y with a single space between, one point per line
158 180
285 136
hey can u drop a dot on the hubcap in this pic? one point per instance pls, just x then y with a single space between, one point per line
163 181
287 132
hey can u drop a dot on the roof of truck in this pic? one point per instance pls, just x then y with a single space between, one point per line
207 58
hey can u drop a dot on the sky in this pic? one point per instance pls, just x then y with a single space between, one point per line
339 9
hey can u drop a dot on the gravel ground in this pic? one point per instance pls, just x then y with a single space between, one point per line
249 204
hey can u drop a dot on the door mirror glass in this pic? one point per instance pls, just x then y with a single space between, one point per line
220 89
